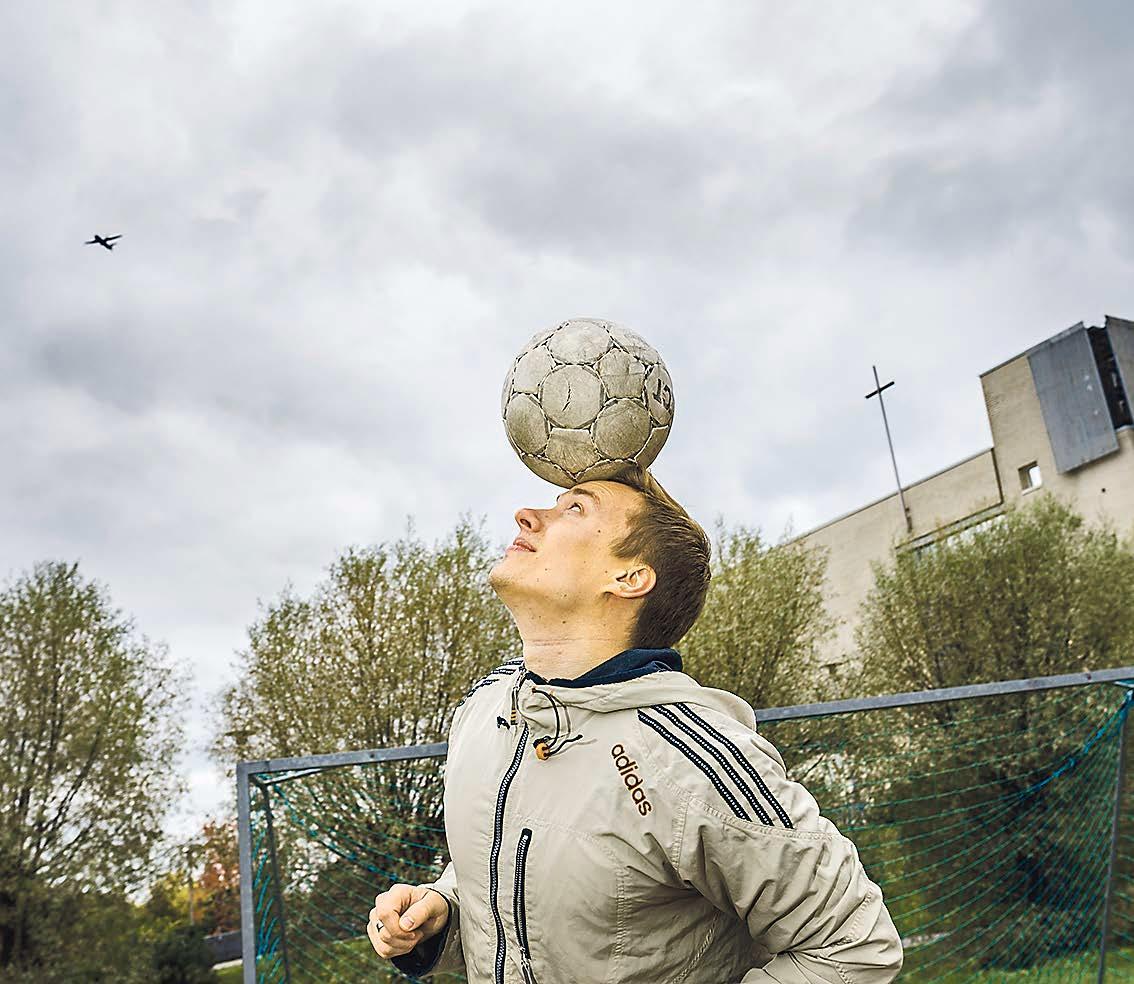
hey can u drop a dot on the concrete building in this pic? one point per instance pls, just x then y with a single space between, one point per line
1060 415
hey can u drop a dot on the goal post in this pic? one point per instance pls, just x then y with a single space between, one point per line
997 818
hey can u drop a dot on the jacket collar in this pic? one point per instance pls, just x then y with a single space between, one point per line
627 665
632 679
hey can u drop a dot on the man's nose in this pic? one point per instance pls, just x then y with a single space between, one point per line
529 517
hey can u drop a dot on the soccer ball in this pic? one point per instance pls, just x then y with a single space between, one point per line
585 398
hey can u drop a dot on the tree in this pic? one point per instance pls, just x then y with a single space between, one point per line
219 881
763 622
88 732
180 956
1025 777
377 657
1037 593
168 900
201 881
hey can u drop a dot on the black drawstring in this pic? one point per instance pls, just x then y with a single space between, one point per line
548 743
545 746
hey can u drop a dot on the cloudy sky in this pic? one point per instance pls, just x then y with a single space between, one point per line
342 220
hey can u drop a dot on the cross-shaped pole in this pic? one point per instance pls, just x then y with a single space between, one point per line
878 393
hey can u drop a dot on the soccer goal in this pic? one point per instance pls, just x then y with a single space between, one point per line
996 817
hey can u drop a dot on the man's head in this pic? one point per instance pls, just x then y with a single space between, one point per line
617 558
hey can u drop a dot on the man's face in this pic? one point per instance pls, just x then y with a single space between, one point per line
571 568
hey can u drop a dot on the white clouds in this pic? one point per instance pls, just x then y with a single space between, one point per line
341 222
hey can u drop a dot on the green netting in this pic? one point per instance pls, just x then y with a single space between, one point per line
988 822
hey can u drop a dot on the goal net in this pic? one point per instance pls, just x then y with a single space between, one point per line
994 817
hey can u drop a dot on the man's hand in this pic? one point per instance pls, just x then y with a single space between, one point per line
404 916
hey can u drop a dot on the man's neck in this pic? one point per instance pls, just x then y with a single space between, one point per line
567 659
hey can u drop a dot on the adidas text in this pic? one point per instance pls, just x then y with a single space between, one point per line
630 778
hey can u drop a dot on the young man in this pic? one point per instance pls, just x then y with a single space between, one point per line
609 819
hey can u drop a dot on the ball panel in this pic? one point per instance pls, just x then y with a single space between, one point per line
634 343
659 394
649 453
506 393
547 471
531 369
622 374
622 429
571 396
602 471
525 423
541 336
572 450
579 341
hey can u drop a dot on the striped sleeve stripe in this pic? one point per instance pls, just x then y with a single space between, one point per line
506 669
697 761
743 762
716 753
512 666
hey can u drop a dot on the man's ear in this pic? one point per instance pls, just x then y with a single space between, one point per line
638 580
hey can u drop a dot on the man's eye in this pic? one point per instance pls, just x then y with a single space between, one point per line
573 504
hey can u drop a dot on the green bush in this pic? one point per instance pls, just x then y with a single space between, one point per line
180 956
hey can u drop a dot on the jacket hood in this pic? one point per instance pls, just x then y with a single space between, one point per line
635 678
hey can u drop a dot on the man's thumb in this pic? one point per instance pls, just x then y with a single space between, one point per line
412 916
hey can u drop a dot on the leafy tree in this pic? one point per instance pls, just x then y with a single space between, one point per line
88 734
202 885
168 900
180 956
763 622
219 882
1039 592
390 641
94 937
378 656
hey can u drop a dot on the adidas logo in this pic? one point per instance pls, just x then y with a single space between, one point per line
632 780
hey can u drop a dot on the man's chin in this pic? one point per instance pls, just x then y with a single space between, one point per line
496 575
503 576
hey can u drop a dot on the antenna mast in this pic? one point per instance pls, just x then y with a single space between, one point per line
901 496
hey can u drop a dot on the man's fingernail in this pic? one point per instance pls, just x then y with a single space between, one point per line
407 923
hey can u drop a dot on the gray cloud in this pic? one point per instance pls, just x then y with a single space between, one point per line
340 225
1021 128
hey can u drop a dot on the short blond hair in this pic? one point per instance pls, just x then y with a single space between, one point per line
662 534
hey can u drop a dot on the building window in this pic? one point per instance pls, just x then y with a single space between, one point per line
1117 399
1030 477
949 537
920 553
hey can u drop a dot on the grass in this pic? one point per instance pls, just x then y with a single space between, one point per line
1080 967
1062 970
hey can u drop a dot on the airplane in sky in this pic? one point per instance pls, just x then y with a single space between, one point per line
103 241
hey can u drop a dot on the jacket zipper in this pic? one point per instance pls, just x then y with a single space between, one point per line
519 907
498 835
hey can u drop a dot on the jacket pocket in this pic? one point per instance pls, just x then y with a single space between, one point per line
519 905
574 905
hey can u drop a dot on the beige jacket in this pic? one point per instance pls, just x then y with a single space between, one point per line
659 841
